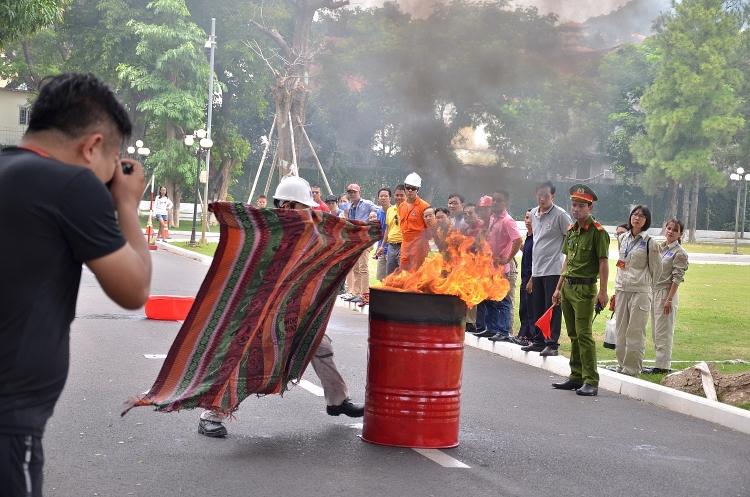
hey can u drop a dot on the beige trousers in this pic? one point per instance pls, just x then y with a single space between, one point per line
471 315
334 387
631 311
513 279
662 329
361 274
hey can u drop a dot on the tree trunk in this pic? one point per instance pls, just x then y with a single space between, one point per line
671 209
694 207
30 80
685 203
294 102
220 185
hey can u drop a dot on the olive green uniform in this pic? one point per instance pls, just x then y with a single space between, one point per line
583 248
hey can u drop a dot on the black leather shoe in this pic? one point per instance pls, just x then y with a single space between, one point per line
484 334
471 328
648 370
347 408
548 351
533 347
567 385
500 338
211 428
587 390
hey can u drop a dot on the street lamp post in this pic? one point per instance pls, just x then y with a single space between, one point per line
738 178
744 207
209 48
205 145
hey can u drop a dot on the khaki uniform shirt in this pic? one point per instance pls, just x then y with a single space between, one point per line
674 262
584 247
642 263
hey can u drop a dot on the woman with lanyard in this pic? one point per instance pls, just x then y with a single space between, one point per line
638 269
664 307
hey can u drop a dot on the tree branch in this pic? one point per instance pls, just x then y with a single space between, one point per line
275 36
259 52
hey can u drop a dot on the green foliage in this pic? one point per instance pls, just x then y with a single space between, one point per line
171 68
625 75
21 18
692 105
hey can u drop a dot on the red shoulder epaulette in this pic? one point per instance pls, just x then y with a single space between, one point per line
598 226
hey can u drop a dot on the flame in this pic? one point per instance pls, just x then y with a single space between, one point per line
464 269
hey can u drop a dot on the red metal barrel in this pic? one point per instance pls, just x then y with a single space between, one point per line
415 358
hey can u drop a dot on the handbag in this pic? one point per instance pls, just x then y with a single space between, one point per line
610 332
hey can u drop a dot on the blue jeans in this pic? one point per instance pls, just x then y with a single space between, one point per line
496 315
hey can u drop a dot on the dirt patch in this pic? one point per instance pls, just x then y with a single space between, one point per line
733 389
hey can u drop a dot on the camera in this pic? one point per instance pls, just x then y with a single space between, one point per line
127 168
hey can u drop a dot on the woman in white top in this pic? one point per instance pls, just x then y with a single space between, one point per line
638 269
162 204
664 307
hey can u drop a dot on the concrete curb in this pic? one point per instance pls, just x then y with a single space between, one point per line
203 259
658 395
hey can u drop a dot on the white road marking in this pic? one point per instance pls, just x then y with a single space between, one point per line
155 356
311 387
441 458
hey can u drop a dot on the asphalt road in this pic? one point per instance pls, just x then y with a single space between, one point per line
518 435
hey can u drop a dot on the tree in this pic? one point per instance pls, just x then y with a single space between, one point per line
625 74
22 18
692 106
291 89
171 72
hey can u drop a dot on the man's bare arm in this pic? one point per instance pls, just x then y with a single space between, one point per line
125 275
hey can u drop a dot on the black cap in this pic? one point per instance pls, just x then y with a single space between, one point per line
331 198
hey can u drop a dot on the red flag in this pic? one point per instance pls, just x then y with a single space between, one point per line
544 323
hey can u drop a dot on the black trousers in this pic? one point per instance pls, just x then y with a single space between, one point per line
526 312
21 461
543 287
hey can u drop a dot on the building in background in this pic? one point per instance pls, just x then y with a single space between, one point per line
14 115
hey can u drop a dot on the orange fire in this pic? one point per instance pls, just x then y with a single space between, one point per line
464 269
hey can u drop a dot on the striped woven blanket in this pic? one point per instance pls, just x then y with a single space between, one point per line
262 309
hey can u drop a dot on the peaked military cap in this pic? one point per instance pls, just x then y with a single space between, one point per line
583 192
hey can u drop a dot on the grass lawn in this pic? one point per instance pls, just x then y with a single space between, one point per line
711 322
714 248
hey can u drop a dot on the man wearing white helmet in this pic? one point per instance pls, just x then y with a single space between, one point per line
414 247
294 193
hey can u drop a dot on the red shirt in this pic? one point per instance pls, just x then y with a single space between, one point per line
322 207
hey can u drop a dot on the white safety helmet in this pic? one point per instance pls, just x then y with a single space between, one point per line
295 189
414 180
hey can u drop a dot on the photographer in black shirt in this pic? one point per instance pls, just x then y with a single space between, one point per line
53 186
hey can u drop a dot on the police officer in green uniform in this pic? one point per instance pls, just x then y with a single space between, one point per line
586 248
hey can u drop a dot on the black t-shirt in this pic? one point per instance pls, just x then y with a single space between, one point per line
54 217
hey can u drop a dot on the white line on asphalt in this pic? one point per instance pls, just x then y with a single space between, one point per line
441 458
311 387
155 356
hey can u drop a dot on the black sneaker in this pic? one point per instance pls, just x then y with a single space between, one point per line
212 429
471 328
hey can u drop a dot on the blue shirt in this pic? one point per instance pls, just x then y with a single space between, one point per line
381 218
361 211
